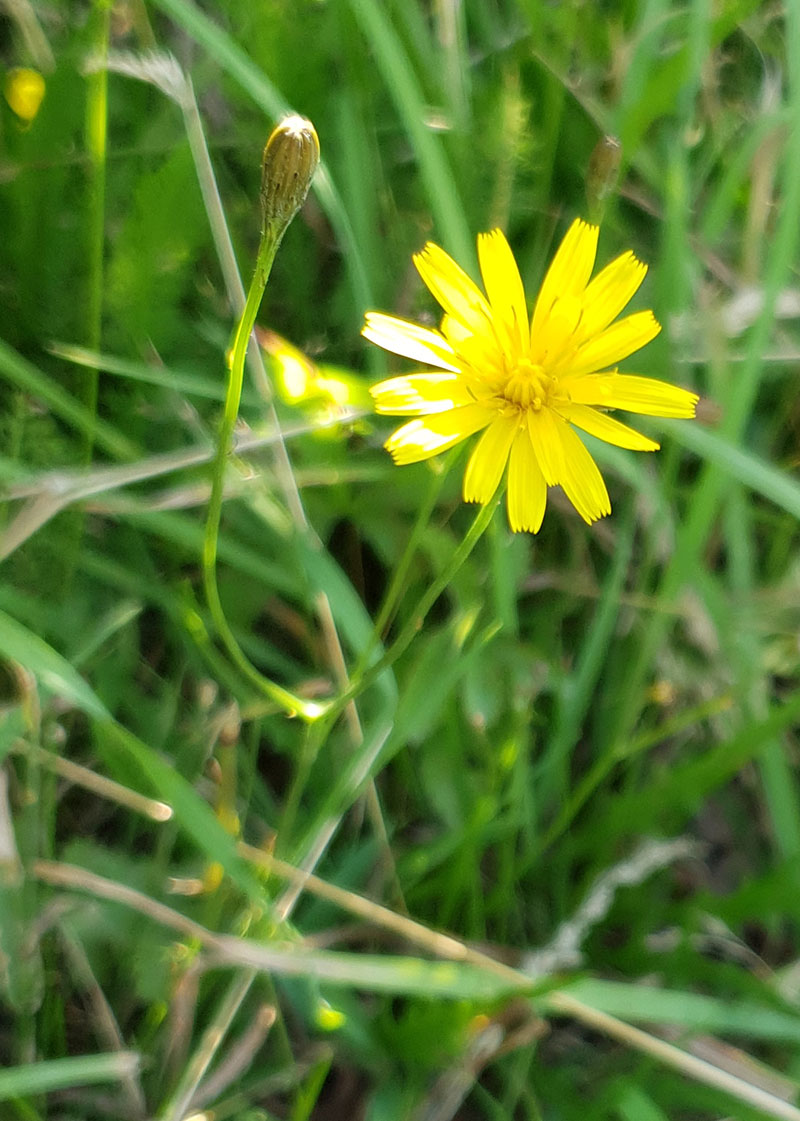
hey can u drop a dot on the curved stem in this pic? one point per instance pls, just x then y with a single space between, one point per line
276 693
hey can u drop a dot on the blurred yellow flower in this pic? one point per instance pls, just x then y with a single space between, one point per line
329 390
24 92
528 386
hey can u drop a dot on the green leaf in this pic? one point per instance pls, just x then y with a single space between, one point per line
50 669
646 1004
60 1074
192 813
25 376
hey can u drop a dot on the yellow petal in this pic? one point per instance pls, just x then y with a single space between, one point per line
417 394
606 428
527 490
420 439
548 447
612 345
454 330
569 272
647 396
488 460
504 287
480 352
557 334
582 482
409 340
454 290
610 291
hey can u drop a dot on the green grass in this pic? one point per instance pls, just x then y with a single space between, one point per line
541 859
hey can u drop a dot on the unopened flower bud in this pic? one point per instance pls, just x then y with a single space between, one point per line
290 159
601 174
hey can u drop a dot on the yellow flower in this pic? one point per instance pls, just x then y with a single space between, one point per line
24 92
527 385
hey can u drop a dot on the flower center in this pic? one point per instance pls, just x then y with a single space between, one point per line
527 386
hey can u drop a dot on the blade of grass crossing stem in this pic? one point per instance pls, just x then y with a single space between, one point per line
179 529
189 384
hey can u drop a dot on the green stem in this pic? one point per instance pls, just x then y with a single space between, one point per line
285 700
473 535
178 1104
394 591
96 140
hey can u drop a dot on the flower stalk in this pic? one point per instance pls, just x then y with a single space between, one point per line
290 160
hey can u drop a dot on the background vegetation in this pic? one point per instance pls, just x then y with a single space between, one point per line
585 763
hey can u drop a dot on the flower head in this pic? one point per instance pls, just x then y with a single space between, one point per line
290 159
526 385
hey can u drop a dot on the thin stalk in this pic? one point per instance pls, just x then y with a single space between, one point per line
104 787
276 693
96 139
361 680
96 135
219 229
283 466
355 732
235 291
178 1104
394 591
473 535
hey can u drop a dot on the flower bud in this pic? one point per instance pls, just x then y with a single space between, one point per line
601 174
290 159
